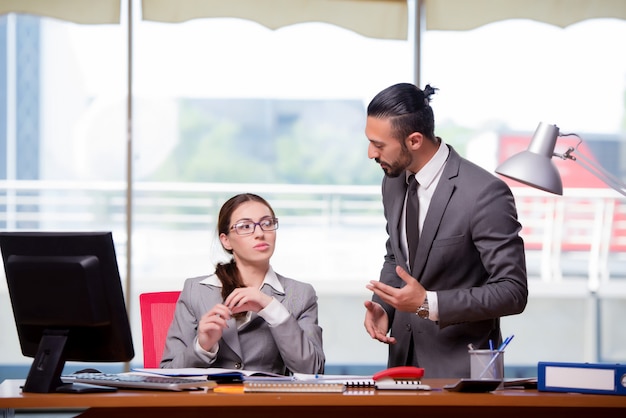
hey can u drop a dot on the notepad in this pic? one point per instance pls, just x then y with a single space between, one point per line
273 386
390 384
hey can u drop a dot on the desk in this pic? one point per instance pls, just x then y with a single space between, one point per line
512 403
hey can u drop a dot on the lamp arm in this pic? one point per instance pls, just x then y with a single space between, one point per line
605 176
602 174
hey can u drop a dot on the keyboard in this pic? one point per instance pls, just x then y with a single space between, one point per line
136 381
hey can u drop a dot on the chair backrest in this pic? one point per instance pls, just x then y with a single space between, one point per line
157 312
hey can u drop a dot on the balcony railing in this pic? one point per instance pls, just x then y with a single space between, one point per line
579 235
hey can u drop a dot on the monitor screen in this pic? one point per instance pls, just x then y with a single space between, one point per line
67 300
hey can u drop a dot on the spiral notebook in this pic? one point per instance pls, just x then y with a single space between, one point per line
295 386
390 384
366 382
309 383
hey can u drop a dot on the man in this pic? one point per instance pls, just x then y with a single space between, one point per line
469 266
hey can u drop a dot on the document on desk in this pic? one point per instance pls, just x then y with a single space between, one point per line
238 375
214 373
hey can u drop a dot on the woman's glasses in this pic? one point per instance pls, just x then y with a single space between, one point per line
248 227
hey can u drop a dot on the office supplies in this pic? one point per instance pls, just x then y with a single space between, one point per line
294 386
400 372
520 382
506 342
364 382
228 389
350 381
359 383
388 404
486 364
400 378
496 355
478 382
391 384
609 379
474 385
138 381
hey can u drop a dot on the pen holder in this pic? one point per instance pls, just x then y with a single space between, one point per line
487 364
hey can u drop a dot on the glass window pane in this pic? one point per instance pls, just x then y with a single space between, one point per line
62 136
224 106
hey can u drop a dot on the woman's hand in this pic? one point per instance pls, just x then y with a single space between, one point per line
211 326
245 299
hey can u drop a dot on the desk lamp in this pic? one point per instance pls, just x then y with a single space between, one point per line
534 167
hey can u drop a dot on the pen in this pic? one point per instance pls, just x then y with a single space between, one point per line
493 359
506 342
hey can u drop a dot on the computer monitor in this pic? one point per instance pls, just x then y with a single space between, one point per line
67 300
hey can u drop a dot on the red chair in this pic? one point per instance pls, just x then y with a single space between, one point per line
157 312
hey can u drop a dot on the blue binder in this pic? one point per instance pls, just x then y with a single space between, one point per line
606 379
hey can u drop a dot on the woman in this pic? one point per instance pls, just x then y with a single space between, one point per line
245 316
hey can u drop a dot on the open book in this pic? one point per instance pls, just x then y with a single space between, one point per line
217 374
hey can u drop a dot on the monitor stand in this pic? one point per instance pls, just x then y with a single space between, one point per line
45 372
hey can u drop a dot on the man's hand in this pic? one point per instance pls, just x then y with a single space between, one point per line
406 299
377 322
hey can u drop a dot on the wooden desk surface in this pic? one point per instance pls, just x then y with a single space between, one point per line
352 403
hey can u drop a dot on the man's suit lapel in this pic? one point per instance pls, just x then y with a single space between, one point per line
437 208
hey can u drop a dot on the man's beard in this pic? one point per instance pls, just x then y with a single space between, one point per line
397 167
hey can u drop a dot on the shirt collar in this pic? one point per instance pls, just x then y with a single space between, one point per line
429 172
271 279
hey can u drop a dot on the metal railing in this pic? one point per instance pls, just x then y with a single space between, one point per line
588 225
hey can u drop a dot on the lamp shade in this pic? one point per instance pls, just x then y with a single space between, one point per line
534 167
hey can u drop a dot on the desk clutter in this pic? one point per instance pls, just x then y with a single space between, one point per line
396 378
591 378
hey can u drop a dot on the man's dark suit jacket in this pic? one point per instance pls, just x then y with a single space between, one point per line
470 253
